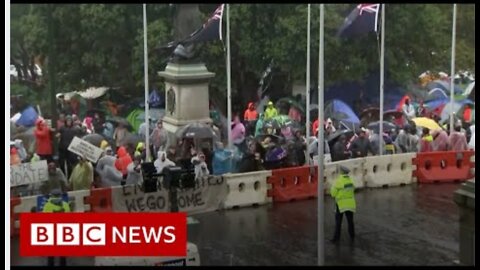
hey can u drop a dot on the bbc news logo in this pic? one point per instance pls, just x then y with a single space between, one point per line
103 234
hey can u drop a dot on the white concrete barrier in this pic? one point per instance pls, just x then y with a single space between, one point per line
192 259
356 167
246 189
77 201
331 174
388 170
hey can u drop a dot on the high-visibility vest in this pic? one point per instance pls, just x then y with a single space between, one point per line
343 191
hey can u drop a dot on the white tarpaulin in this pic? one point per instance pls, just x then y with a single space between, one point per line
93 92
28 173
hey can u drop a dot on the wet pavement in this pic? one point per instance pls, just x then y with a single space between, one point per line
410 225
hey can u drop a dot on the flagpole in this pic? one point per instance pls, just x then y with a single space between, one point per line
320 200
452 68
307 90
229 83
382 67
145 66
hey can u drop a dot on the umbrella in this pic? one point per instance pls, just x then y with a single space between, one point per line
371 112
387 126
290 102
196 131
426 122
275 138
119 120
271 123
393 113
333 137
337 109
132 139
94 139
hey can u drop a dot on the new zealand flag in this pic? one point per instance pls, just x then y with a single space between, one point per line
361 20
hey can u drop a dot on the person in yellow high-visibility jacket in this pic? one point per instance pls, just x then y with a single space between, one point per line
343 191
270 111
56 204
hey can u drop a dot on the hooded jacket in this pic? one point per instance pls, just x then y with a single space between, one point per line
123 160
250 113
42 135
159 164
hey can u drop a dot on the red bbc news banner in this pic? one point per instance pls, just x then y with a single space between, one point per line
103 234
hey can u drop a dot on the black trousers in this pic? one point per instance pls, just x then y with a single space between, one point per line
338 224
51 261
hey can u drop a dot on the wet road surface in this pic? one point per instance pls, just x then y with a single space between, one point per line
410 225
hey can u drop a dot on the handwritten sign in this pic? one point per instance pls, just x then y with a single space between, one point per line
28 173
132 199
85 149
207 195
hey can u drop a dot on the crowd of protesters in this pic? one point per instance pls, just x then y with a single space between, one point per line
260 140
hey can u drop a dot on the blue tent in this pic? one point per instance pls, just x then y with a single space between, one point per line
438 102
340 111
444 85
155 99
28 117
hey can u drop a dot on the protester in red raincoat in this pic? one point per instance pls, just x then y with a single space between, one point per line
250 113
43 140
123 160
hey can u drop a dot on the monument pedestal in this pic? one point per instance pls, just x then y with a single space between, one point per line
186 95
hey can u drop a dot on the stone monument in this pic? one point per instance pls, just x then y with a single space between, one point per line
186 78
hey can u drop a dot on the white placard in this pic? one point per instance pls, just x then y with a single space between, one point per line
28 173
85 149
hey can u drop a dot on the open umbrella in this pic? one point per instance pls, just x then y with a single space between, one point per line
275 138
132 140
426 122
340 111
371 113
119 120
288 102
94 139
387 126
333 137
196 131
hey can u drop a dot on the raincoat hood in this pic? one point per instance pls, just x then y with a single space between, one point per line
121 152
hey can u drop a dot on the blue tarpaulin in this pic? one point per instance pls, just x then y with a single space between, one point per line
222 162
28 117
